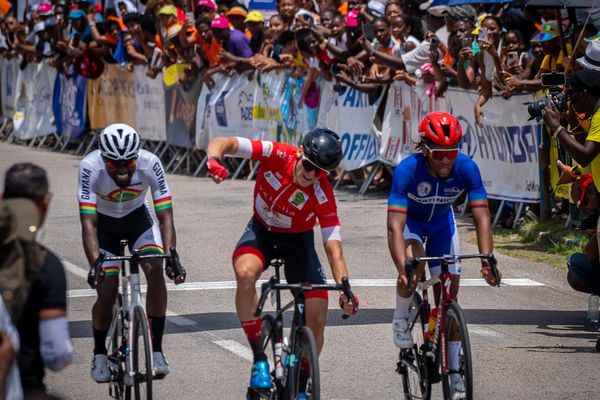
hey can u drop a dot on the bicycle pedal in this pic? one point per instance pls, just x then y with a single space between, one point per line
158 377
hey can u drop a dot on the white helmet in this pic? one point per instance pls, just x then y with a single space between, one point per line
119 142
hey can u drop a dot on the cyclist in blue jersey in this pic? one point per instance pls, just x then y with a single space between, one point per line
421 221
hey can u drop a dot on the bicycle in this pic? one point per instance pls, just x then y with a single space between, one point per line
287 354
130 361
427 361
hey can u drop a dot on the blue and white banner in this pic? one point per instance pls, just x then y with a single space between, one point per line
351 116
505 146
232 105
69 105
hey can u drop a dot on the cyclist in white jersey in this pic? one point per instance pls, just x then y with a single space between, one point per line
112 187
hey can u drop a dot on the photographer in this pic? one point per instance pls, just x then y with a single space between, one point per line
583 93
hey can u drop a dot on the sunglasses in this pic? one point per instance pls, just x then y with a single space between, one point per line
117 164
440 154
310 167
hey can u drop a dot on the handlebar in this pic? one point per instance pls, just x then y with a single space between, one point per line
411 264
96 274
273 284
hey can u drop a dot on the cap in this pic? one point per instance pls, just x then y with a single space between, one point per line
352 18
583 182
376 7
585 79
237 10
591 59
77 14
548 31
220 22
463 13
254 16
207 4
169 9
26 221
44 9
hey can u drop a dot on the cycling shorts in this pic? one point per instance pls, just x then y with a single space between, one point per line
296 249
138 227
439 237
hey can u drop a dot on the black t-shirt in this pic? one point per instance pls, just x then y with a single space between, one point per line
48 291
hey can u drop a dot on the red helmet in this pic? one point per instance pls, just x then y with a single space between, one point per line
440 128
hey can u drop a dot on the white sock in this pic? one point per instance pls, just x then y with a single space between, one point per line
402 304
453 350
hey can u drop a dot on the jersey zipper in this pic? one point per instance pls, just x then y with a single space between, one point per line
437 187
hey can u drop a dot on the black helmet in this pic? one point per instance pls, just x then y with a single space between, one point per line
323 148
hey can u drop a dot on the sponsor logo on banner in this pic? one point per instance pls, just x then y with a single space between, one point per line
359 146
423 189
273 181
221 110
298 199
321 196
246 104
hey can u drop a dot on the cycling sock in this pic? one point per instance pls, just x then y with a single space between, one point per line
453 350
402 304
100 341
252 331
157 325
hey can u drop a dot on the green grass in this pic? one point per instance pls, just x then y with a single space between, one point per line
552 247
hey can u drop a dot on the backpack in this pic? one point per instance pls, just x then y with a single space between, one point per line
21 257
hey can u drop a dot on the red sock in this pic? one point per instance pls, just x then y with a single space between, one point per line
252 331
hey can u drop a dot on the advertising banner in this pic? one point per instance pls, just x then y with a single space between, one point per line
180 114
232 106
149 105
9 78
266 112
351 116
111 98
69 105
504 147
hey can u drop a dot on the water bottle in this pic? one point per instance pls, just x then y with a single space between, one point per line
278 360
593 304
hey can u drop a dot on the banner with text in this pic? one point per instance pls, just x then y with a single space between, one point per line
180 114
351 116
9 78
266 112
505 147
111 98
149 105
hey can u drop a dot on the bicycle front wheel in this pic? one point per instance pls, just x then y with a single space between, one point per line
116 357
412 365
456 325
303 364
142 356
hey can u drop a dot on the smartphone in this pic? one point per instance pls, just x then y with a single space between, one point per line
435 42
466 41
553 79
512 59
189 16
483 34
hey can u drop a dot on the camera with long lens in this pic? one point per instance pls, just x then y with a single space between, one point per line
555 82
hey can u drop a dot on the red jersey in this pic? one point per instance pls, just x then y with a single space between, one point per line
280 204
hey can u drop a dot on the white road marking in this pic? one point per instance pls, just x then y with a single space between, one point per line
222 285
236 348
75 270
476 329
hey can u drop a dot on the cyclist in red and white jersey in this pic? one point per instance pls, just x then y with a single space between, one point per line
112 188
291 194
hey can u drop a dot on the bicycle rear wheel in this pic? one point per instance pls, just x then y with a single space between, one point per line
303 364
142 355
268 325
455 320
412 364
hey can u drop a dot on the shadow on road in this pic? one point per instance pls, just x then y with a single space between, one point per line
560 324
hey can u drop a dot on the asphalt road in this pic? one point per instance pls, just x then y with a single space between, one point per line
528 342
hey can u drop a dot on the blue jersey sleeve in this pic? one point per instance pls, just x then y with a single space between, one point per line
474 184
403 176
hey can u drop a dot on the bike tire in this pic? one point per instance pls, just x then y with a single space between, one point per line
142 380
118 341
412 363
455 317
303 345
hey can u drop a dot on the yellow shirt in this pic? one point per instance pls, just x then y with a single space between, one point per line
549 63
594 136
